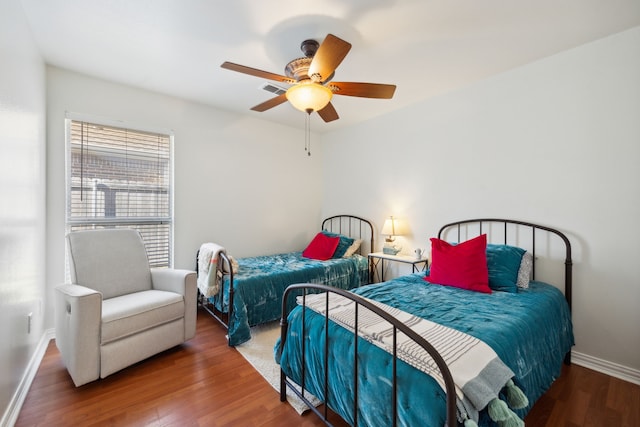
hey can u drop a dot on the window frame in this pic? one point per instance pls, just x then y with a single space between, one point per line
88 222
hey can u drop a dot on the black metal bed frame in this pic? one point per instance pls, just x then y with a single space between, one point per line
223 267
347 225
451 420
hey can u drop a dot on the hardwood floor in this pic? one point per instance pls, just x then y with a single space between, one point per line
206 383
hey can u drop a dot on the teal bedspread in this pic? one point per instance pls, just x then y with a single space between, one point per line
261 281
530 330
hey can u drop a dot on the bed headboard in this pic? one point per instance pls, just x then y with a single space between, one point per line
526 235
353 227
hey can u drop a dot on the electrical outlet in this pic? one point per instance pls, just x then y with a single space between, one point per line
29 317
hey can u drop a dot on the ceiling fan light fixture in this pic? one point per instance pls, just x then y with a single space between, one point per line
309 96
310 77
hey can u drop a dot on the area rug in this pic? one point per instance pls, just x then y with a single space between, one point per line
259 352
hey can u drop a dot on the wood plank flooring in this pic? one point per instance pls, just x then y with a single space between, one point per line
206 383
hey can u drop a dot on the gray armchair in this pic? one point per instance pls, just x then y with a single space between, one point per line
117 311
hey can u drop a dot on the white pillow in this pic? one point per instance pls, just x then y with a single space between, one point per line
524 273
353 248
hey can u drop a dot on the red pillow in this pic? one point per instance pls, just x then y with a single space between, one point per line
321 247
463 265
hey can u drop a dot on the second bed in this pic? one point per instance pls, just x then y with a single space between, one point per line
253 294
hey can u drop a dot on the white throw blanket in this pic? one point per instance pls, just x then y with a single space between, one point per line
477 371
208 280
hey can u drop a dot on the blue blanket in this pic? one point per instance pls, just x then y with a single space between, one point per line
261 281
530 331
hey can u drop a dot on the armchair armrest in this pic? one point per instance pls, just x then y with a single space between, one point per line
182 282
78 312
171 279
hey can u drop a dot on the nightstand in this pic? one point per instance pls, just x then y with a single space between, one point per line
375 258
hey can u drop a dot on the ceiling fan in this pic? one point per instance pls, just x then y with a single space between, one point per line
310 77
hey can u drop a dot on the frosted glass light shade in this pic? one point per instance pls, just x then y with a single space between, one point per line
309 96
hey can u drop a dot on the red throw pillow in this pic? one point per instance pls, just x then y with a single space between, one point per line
321 247
463 265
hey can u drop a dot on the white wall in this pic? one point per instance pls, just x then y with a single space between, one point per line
555 142
22 199
241 182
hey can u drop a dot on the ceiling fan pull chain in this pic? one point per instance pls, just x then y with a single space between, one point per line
308 134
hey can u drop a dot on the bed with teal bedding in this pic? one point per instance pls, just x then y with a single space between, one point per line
254 291
529 329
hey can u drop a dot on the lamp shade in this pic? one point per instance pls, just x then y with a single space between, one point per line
390 227
308 96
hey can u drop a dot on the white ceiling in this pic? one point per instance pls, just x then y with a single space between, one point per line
425 47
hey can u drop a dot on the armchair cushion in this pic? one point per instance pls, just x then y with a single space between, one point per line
134 313
111 261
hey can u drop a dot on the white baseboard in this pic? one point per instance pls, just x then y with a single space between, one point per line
13 410
606 367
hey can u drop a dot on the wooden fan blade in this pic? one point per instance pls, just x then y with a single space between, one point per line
273 102
328 56
329 113
364 90
257 73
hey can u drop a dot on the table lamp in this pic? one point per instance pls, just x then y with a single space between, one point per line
390 229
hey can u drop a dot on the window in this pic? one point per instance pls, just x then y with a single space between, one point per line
121 178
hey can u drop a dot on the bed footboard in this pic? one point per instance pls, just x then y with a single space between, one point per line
397 326
223 267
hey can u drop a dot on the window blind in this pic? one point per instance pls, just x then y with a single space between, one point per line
121 178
